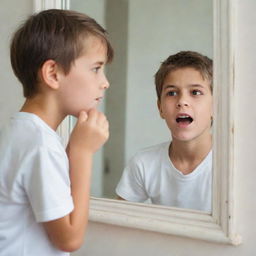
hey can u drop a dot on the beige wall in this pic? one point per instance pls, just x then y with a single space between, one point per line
111 240
11 14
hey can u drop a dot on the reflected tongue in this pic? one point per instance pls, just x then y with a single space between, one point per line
186 120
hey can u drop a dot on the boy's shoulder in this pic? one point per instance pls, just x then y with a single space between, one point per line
153 152
150 159
28 131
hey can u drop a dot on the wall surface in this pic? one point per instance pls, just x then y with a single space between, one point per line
112 240
11 93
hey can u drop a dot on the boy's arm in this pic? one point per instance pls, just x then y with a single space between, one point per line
90 133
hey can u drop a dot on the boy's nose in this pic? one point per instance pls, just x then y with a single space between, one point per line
105 83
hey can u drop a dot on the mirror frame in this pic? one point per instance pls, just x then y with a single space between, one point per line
220 225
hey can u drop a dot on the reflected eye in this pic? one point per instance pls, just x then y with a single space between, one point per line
196 92
171 93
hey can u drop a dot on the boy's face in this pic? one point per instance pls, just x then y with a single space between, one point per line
84 86
186 104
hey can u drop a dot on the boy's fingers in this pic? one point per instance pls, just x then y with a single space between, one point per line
93 115
82 116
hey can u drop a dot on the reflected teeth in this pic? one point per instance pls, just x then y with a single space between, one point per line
186 118
183 116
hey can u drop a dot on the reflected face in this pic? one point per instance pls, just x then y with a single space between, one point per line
84 86
186 104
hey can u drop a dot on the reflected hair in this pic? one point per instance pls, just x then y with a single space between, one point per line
183 59
59 35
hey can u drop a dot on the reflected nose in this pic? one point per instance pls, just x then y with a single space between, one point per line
182 102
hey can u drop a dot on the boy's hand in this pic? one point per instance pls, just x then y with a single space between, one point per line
88 135
90 132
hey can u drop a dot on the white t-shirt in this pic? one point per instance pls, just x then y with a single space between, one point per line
150 174
34 186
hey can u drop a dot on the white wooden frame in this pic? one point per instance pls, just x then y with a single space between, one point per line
220 226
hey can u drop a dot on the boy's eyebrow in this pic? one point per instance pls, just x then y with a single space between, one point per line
99 63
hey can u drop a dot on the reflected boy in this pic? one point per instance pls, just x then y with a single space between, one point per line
177 173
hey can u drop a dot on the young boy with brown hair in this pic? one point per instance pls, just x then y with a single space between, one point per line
177 173
59 57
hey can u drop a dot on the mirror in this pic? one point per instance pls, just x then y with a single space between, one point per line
142 38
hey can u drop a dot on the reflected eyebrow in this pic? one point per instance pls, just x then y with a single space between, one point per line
169 86
197 85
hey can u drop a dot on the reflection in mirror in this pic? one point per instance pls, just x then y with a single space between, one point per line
142 39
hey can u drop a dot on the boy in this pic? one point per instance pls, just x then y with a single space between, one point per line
179 173
59 58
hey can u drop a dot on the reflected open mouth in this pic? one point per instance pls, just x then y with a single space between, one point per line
184 119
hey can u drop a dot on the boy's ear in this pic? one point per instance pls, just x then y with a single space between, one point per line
49 74
160 109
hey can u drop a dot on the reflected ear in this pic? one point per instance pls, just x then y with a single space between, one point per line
49 74
160 109
212 114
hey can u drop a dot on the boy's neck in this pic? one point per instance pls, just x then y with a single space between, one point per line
186 156
45 109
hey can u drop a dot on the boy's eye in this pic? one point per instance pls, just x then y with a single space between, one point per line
196 92
171 93
96 69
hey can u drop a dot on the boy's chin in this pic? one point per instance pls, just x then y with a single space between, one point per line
76 114
183 137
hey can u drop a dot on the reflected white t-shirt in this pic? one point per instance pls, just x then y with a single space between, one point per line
34 186
150 174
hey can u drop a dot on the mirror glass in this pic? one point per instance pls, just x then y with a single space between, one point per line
143 34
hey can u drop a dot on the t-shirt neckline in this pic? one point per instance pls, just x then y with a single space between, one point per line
199 169
38 120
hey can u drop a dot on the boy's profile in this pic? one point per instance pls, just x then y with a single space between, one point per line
59 58
177 173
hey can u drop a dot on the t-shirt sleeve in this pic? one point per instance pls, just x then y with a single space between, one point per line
47 184
131 185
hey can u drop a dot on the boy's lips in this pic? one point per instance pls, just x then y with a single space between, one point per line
184 119
99 98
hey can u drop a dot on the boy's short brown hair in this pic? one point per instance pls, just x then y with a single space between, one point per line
51 34
183 59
